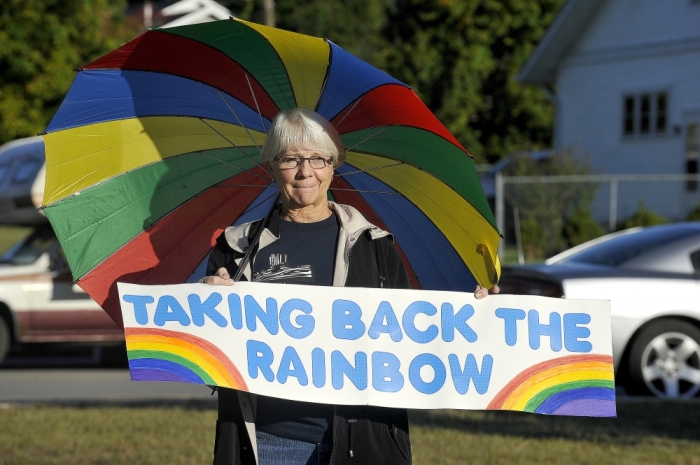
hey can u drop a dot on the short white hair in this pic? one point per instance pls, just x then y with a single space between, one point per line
302 129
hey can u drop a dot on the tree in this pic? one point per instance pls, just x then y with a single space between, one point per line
355 25
41 43
462 57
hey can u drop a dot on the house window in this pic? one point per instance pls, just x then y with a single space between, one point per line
645 114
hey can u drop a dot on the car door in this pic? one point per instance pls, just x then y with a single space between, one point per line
60 310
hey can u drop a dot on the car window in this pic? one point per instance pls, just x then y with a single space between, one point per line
4 168
25 172
621 249
40 241
695 260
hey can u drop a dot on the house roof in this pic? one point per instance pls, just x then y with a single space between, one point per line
194 11
575 15
169 13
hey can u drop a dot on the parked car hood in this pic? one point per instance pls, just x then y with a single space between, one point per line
573 270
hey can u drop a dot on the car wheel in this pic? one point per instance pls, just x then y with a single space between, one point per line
665 360
4 339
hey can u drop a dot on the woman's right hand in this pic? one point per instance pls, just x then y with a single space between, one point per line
220 278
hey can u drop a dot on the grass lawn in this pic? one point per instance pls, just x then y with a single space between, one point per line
646 432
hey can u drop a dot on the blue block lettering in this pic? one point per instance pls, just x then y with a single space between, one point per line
450 322
290 365
303 324
139 302
169 309
537 330
235 311
414 373
573 332
378 326
340 367
461 377
409 324
260 358
510 318
199 309
385 372
347 320
268 317
318 367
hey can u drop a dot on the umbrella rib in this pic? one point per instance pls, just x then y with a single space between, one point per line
239 121
257 107
368 138
251 207
348 112
239 149
370 169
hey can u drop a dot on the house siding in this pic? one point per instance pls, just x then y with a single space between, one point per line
631 47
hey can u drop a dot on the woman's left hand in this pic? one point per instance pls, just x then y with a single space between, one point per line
482 292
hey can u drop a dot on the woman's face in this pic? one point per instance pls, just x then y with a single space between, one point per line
303 186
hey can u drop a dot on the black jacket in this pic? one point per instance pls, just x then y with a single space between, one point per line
366 258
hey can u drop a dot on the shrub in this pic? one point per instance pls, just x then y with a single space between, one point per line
544 207
581 227
694 214
643 217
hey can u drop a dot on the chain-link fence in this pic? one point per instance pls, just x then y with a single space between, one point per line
542 215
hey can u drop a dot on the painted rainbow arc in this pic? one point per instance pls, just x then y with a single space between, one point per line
161 355
578 385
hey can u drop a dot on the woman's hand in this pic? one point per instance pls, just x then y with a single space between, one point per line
220 278
482 292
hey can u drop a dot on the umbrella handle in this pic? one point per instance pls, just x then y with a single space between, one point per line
256 239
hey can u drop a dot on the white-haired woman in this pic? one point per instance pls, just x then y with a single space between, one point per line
308 240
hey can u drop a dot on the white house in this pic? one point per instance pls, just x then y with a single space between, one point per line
624 76
169 13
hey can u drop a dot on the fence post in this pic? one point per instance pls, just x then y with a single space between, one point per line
612 219
500 211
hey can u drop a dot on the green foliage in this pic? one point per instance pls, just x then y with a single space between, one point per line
41 43
544 207
643 217
581 227
462 57
694 214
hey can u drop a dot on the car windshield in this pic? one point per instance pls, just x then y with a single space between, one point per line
621 249
31 248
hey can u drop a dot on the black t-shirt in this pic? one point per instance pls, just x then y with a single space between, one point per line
303 254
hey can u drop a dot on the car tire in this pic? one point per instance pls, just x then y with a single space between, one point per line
664 360
4 339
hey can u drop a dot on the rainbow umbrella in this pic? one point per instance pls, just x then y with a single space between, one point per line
155 150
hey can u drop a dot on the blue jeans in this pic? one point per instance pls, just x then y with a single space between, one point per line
273 450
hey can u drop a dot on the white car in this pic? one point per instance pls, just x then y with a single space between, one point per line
40 303
652 278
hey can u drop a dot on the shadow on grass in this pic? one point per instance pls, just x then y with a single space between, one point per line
637 421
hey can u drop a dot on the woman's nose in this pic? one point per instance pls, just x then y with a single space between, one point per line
305 168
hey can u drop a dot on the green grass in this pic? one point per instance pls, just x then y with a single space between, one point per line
646 432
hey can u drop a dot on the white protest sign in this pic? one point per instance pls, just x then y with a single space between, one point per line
382 347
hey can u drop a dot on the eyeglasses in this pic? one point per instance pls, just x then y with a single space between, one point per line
317 163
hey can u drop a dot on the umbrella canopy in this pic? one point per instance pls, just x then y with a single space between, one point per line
155 150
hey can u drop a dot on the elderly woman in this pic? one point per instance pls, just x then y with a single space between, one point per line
308 240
